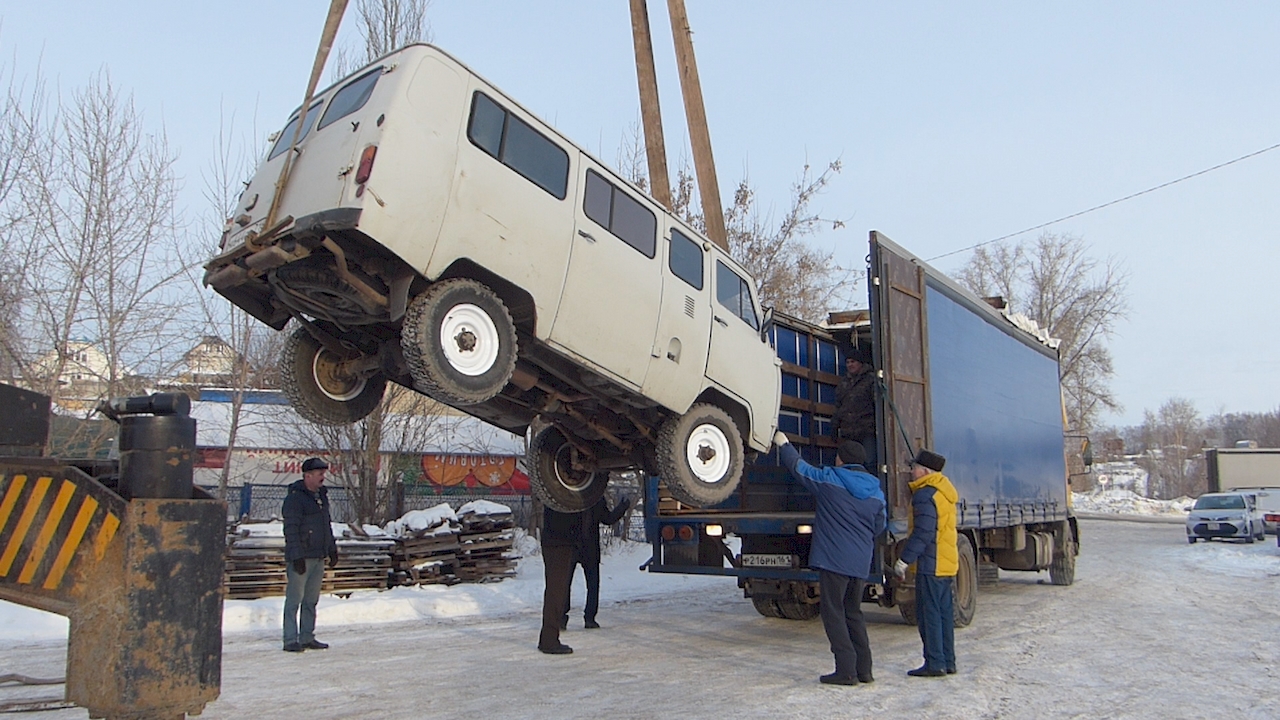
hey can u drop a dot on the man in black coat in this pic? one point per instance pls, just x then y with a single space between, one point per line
855 417
308 540
587 554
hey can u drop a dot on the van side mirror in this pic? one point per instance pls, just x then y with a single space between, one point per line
766 327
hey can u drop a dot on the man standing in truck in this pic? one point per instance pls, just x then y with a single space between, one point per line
849 514
855 417
932 547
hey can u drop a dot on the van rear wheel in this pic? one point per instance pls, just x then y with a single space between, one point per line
320 385
459 341
700 456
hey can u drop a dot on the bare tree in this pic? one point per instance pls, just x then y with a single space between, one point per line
101 253
22 128
1226 429
1079 299
385 25
254 346
1173 437
361 454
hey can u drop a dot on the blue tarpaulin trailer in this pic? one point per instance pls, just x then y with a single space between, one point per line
954 375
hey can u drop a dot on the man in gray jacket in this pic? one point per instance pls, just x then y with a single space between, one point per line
308 540
848 516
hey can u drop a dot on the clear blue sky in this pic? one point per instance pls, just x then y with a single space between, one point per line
957 123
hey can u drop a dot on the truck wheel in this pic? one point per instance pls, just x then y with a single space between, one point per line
1062 571
767 607
554 480
965 599
313 380
700 456
908 612
796 610
459 342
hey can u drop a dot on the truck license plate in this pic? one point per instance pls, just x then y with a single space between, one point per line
778 561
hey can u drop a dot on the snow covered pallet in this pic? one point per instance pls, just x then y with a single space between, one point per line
255 565
486 541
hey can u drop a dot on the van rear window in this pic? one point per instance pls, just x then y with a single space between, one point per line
286 135
350 98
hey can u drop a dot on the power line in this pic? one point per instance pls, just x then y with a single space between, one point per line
1108 204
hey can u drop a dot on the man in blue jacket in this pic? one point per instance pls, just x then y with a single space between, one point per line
308 540
849 515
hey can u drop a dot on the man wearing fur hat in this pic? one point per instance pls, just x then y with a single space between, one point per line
932 547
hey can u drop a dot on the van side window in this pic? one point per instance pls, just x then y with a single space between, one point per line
620 214
686 259
350 98
286 135
733 293
514 143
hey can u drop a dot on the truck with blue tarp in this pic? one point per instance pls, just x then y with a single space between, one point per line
953 374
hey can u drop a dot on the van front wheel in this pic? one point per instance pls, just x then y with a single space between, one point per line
459 342
700 456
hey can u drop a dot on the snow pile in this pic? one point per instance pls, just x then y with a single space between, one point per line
483 507
1124 474
433 521
1027 324
1127 502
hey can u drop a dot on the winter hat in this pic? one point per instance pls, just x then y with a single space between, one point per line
314 463
931 460
861 353
851 452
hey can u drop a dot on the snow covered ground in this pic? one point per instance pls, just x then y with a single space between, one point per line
1152 628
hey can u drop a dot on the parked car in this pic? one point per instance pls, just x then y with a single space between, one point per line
1266 503
1227 515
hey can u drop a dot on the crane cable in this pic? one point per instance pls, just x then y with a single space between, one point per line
1108 204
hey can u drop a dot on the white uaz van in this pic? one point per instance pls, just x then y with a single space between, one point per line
434 233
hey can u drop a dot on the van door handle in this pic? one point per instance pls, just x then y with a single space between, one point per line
587 235
721 321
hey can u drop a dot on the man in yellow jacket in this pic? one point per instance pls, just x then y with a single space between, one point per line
932 547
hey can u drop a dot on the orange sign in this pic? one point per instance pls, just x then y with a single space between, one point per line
472 471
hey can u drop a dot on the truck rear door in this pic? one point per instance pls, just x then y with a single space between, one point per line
899 342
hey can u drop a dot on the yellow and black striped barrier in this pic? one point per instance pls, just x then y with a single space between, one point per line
54 522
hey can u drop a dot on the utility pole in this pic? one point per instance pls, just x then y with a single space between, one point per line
331 22
650 113
699 136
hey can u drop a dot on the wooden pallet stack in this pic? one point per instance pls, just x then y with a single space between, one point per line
255 565
485 537
426 558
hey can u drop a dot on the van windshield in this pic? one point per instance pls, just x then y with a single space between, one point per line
1220 502
286 135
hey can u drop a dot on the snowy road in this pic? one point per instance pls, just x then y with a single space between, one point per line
1152 628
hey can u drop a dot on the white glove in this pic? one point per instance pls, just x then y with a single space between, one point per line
780 439
900 569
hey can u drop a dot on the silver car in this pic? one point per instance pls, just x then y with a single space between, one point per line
1228 515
